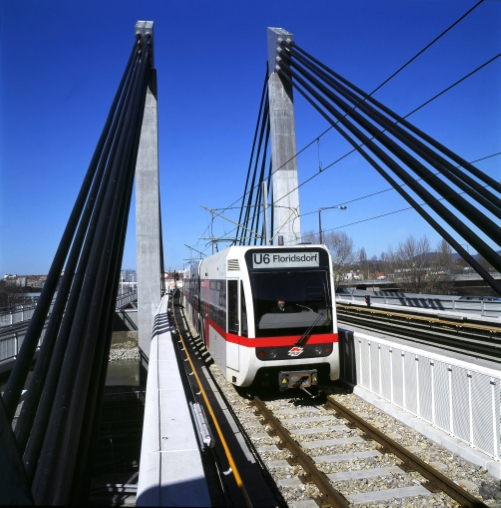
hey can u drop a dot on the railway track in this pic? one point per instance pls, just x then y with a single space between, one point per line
328 446
317 457
320 453
476 338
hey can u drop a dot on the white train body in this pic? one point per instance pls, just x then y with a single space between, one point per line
231 298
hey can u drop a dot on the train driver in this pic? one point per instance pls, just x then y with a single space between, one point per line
281 307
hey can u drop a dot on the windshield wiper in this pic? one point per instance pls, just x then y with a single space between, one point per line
307 334
304 307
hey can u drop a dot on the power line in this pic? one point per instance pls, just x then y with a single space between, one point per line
384 130
317 138
419 53
368 219
367 196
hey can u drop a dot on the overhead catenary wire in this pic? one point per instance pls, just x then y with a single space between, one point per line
389 189
387 80
392 76
350 152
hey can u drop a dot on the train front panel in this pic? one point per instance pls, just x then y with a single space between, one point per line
268 310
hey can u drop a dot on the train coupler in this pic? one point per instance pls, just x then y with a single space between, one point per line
300 379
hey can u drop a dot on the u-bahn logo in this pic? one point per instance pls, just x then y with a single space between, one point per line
295 351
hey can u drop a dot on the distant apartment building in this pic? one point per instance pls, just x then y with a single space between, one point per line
32 281
128 275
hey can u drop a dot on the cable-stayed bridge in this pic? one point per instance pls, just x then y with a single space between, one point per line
48 455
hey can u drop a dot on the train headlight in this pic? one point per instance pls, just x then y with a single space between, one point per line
317 350
267 354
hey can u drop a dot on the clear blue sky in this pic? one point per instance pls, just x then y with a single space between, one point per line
61 62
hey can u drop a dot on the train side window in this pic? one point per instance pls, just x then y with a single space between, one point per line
243 311
233 306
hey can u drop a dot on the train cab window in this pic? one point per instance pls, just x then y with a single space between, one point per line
232 300
243 312
307 302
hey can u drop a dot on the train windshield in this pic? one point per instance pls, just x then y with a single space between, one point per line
289 302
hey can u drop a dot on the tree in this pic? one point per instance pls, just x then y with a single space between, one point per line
363 265
418 270
340 246
485 264
443 258
10 294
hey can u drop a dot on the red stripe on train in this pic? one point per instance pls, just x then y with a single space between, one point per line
288 340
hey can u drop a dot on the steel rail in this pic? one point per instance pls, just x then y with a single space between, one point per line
495 329
461 333
443 333
436 480
229 456
333 497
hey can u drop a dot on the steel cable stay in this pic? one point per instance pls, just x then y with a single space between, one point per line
466 208
63 303
263 134
459 161
21 368
73 303
368 144
494 183
65 424
400 69
303 56
258 123
56 431
350 132
258 215
461 179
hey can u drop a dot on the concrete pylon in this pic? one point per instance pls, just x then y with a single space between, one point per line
286 222
148 224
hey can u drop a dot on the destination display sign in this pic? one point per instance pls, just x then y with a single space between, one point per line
285 259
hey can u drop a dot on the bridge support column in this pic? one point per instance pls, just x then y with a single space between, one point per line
148 225
286 222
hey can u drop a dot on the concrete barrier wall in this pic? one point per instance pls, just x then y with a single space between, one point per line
171 471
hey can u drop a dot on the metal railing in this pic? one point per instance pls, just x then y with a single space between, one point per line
11 340
11 336
459 398
392 279
19 313
126 299
432 302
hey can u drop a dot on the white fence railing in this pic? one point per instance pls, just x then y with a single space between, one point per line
17 315
126 298
20 313
459 398
11 339
433 302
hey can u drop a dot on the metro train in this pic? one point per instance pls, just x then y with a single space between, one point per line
266 314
